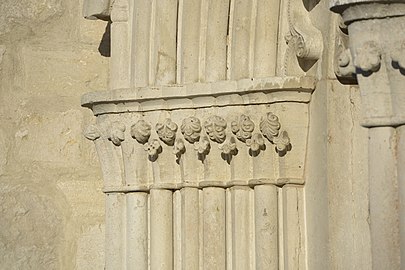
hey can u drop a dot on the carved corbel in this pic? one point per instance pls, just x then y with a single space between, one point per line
303 37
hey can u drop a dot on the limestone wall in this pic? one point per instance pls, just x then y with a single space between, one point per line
51 204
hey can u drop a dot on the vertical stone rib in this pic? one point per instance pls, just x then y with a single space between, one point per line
115 231
241 231
190 228
161 229
239 39
229 51
229 229
202 53
137 231
252 39
152 44
266 31
294 228
401 186
141 31
266 227
383 198
163 36
214 229
188 40
120 55
177 230
216 40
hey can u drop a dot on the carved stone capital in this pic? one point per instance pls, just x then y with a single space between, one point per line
376 43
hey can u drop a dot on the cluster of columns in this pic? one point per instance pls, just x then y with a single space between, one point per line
209 228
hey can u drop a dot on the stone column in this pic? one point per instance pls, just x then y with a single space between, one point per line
377 57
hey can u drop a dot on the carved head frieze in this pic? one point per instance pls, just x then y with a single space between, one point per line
141 131
117 135
243 128
368 57
215 127
92 133
153 149
167 131
191 129
256 144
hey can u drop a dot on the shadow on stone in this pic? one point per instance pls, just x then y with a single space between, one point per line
105 44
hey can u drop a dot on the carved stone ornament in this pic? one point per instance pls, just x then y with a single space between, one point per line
154 149
229 147
256 144
141 131
215 127
203 146
282 143
270 126
167 131
117 135
305 38
345 66
368 57
92 133
243 128
191 129
179 147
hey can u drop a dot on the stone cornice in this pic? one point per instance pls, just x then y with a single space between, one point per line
200 95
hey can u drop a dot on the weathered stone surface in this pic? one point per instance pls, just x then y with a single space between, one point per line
32 226
51 204
27 12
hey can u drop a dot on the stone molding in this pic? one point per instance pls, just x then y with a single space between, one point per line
201 95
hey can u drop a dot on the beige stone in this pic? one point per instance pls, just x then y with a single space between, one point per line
249 134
